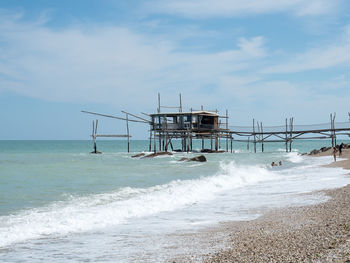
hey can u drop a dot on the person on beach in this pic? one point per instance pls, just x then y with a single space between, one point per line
335 153
273 164
341 146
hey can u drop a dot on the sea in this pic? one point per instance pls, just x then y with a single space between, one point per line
59 203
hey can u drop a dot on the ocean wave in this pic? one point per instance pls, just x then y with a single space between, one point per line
93 212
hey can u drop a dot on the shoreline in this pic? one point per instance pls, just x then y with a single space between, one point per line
311 233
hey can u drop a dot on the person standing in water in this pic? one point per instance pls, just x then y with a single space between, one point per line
335 153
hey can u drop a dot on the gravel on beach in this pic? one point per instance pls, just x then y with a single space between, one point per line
317 233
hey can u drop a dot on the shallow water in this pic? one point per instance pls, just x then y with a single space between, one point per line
60 203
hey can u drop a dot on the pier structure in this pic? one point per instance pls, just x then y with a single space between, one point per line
288 133
172 123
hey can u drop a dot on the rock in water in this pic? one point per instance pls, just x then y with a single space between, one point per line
156 154
200 158
138 155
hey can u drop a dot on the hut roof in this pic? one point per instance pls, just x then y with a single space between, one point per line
203 113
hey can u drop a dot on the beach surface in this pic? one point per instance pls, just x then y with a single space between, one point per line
316 233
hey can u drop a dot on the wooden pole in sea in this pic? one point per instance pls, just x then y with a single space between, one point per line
159 134
150 138
335 136
93 136
154 140
226 130
291 133
254 135
262 137
127 130
286 135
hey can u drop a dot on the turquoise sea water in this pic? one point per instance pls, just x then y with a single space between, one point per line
56 196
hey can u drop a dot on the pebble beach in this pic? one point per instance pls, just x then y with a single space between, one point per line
315 233
319 233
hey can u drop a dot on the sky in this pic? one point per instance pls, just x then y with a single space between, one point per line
261 59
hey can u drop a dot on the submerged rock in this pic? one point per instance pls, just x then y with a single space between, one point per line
138 155
157 154
200 158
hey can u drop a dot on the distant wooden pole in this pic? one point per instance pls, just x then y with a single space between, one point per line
262 137
231 144
166 135
254 135
150 139
180 103
127 130
226 130
159 133
190 134
335 136
95 146
94 136
291 133
332 129
248 143
154 142
211 141
158 102
286 135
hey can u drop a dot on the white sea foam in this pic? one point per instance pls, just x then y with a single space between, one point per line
294 157
81 214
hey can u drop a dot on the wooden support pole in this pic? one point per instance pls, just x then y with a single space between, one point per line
226 130
286 135
158 102
180 103
159 134
335 136
202 143
211 141
254 135
150 139
291 133
154 141
262 137
127 130
94 135
190 134
171 145
231 144
248 143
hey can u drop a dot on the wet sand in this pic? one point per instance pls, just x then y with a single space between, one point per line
316 233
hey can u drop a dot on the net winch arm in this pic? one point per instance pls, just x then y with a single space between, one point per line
114 117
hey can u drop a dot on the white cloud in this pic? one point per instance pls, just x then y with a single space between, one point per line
232 8
321 57
108 64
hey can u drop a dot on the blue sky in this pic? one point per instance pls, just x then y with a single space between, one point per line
261 59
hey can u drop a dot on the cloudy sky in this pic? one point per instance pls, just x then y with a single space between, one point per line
261 59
